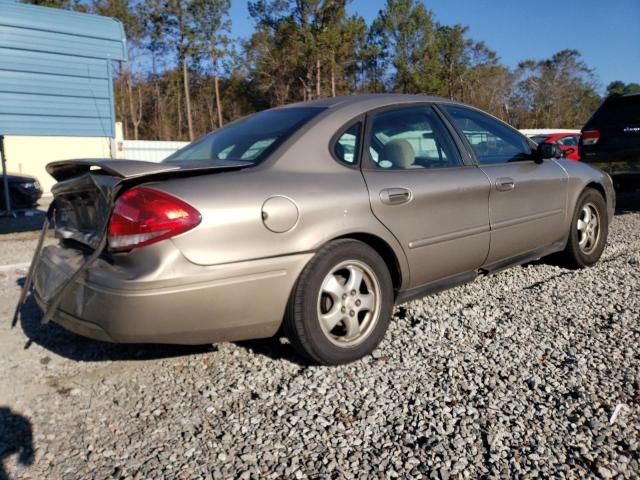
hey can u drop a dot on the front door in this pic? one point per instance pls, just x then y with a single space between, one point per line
527 203
420 189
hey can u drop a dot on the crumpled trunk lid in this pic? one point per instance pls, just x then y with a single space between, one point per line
86 190
82 207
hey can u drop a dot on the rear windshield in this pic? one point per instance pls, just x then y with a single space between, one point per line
617 111
250 139
539 138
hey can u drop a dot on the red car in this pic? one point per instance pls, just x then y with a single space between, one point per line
568 142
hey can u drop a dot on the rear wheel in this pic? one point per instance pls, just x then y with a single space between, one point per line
341 305
589 229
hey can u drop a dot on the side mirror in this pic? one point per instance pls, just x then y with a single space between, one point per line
546 150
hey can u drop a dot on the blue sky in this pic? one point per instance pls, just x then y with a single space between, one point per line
606 32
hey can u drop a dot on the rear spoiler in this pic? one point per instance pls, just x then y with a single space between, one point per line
126 169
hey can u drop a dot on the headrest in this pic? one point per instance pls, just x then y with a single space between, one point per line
399 152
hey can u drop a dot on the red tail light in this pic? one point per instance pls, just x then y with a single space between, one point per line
144 215
590 137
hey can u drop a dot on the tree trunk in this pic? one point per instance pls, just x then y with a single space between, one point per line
123 105
134 112
187 97
333 81
158 110
318 78
216 85
179 108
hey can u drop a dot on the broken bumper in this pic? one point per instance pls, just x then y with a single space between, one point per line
180 303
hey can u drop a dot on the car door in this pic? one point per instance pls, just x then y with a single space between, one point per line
527 203
423 192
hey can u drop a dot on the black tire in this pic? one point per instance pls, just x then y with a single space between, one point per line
302 318
575 256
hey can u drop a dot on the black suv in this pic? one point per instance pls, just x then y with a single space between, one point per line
611 140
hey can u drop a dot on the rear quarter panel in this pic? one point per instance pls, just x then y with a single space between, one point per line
331 203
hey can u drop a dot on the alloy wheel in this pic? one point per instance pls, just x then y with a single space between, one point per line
349 303
588 226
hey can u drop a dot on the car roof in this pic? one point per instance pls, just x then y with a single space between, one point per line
373 100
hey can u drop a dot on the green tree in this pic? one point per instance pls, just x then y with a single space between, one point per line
559 92
173 26
212 27
405 35
76 5
129 85
298 48
620 88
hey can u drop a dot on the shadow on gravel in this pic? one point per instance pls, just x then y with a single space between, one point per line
274 349
16 438
627 203
74 347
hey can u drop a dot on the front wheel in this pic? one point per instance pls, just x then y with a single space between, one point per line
341 305
589 229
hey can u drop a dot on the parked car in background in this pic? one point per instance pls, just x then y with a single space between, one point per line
302 217
24 192
568 142
611 140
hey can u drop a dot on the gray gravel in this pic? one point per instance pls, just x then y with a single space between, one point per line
515 375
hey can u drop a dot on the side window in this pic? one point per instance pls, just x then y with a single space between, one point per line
570 141
346 147
492 141
411 137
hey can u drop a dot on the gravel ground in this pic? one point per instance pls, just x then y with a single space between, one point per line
533 372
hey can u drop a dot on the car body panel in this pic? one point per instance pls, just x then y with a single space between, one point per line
171 300
531 213
447 212
230 278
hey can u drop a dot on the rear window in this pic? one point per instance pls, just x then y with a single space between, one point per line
617 111
250 139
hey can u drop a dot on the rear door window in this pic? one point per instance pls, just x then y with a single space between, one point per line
411 137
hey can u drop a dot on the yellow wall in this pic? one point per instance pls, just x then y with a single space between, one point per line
30 155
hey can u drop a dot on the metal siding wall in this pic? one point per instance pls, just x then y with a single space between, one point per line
149 150
55 72
42 29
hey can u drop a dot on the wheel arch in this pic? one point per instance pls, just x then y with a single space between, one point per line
385 251
598 187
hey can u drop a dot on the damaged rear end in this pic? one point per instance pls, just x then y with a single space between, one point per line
101 207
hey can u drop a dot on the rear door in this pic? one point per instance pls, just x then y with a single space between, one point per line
527 203
425 194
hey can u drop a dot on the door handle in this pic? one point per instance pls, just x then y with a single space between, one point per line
504 184
395 196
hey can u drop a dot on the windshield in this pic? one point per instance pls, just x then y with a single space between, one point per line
539 138
249 139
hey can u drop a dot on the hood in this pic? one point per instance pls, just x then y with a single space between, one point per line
15 178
